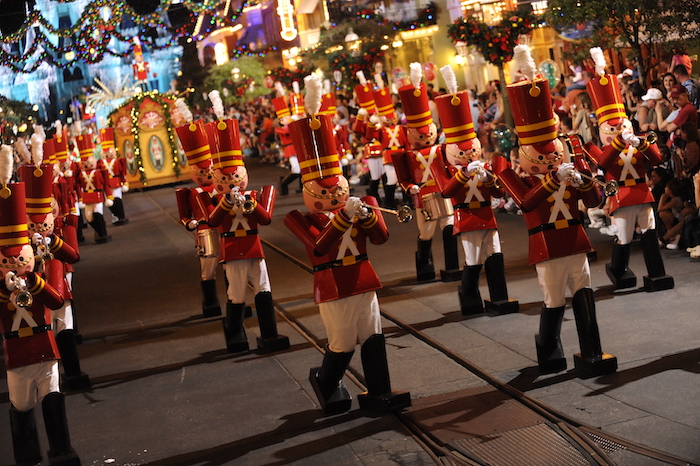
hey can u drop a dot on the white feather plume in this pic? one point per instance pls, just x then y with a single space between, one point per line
378 79
184 110
416 74
599 60
361 77
279 88
59 128
524 61
312 100
295 87
326 86
217 104
23 151
5 163
37 143
448 74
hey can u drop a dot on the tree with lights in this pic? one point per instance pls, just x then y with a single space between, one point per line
495 42
640 25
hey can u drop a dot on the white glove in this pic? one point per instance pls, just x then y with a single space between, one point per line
10 280
477 168
353 206
564 171
629 138
37 239
235 196
344 162
109 202
192 224
125 187
81 205
413 190
364 213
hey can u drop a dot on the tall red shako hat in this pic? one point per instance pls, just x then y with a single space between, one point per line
224 139
86 146
106 139
456 117
281 107
328 105
13 212
605 92
49 151
382 99
365 97
60 144
193 138
38 180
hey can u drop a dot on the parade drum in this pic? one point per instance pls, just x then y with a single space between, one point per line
436 207
208 242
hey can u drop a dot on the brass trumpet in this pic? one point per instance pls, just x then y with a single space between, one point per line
609 187
24 299
248 206
403 213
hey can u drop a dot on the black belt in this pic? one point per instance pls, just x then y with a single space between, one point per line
558 225
347 260
632 181
472 205
35 330
229 234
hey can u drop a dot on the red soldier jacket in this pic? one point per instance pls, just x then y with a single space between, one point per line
550 210
239 225
471 198
342 137
626 165
337 248
393 140
286 141
195 204
116 170
413 167
27 335
93 186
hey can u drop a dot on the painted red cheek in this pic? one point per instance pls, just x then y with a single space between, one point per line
318 205
535 169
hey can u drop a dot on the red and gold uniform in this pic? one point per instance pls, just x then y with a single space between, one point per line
238 215
624 159
285 117
556 239
29 345
194 206
471 191
116 173
414 171
335 239
93 188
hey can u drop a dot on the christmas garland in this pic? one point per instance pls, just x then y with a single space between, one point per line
496 42
287 76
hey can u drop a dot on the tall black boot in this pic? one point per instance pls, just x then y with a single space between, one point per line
469 295
424 261
25 440
656 280
73 378
498 291
379 396
80 226
373 190
234 331
449 246
98 224
389 199
286 181
210 299
327 382
550 354
269 340
60 453
118 211
617 270
592 361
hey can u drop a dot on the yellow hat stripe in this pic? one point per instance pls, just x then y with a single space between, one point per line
462 138
227 153
321 160
38 200
230 163
198 150
539 138
13 228
535 126
333 171
14 241
418 117
456 129
202 158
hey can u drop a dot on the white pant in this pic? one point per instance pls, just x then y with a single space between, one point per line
350 320
62 318
294 164
626 218
555 274
29 385
479 245
427 228
240 272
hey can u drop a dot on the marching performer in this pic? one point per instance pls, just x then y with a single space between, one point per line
52 251
116 170
284 115
238 215
413 168
465 178
93 189
335 233
624 158
557 241
31 354
194 205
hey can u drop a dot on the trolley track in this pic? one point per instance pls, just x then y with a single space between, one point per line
594 441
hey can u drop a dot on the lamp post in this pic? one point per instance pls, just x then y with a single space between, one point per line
463 61
353 43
